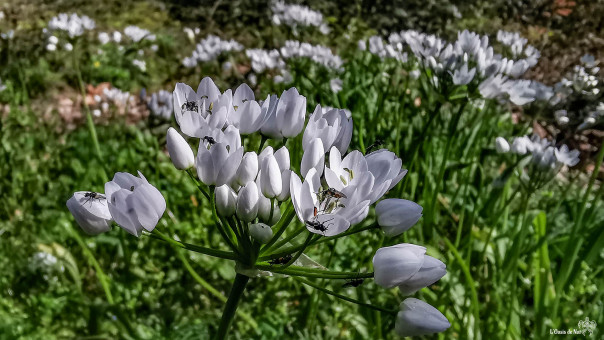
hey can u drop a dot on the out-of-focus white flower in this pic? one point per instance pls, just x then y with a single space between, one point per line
417 318
502 145
320 54
161 104
51 47
210 48
335 85
104 38
53 40
117 36
462 76
141 64
90 211
566 156
294 15
180 152
133 203
137 34
263 60
396 216
73 24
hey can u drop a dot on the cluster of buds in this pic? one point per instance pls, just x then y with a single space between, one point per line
256 195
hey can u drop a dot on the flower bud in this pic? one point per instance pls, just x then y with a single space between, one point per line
270 177
282 157
248 169
396 216
247 202
261 232
133 203
90 212
264 210
313 157
226 199
502 145
179 150
431 271
396 264
417 318
285 186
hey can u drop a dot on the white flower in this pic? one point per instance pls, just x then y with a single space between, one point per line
396 264
336 85
417 318
226 199
210 48
180 152
90 211
261 232
520 144
396 216
263 60
462 76
285 116
566 156
502 145
247 202
333 127
51 47
161 104
137 34
246 114
313 157
264 210
297 15
104 38
133 203
195 112
217 163
53 40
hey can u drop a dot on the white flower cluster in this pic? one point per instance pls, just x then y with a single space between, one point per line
161 105
518 46
105 38
378 47
191 32
578 99
209 49
137 34
263 60
249 187
53 42
73 24
543 154
468 60
317 53
121 100
297 16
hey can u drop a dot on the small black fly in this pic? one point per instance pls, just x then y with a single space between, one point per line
281 260
377 143
209 139
93 196
353 283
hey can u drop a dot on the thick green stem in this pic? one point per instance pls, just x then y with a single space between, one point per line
310 272
231 306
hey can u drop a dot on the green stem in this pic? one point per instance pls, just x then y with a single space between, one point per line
292 249
219 225
345 298
198 249
231 305
97 267
199 186
211 288
280 226
309 272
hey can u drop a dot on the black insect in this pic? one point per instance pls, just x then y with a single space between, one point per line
209 139
378 142
93 196
319 226
190 106
353 283
281 260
